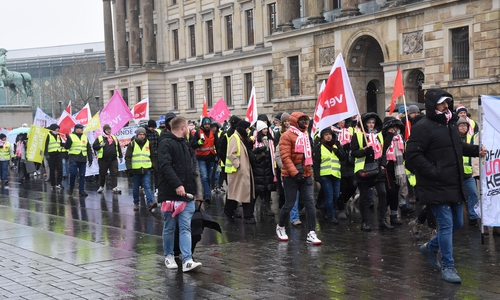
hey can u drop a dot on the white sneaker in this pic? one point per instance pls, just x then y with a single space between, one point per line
170 262
100 189
58 187
116 190
281 233
190 265
313 239
156 193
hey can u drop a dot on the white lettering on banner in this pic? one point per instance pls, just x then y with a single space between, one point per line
82 120
126 131
220 115
333 101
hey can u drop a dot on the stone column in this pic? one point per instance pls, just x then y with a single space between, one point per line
108 36
315 10
287 11
148 33
134 42
349 8
121 40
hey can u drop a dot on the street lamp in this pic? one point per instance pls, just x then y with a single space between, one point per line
97 102
60 107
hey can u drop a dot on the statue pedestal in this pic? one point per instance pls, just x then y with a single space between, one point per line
15 115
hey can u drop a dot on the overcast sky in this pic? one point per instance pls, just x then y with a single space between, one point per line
40 23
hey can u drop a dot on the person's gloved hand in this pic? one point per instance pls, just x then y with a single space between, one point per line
201 141
299 178
102 144
369 150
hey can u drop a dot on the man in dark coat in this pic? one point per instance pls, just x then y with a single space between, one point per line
434 154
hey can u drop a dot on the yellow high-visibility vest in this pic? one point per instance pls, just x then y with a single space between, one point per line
78 145
468 160
54 144
141 158
359 163
229 167
5 151
101 150
330 164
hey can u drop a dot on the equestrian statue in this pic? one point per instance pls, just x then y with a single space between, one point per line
17 82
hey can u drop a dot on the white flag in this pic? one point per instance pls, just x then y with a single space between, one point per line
251 115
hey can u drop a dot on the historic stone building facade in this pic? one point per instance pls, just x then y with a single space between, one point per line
178 51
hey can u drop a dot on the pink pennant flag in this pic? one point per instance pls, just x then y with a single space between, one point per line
251 115
116 113
140 111
337 100
219 111
83 116
66 122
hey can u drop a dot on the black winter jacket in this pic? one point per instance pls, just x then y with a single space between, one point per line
174 168
262 168
434 154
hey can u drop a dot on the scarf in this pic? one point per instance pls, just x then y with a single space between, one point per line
471 129
447 114
302 145
395 153
175 206
109 137
375 143
344 136
258 144
396 143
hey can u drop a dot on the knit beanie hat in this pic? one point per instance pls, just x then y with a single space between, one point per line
152 123
206 120
261 125
285 117
460 108
233 121
140 130
413 109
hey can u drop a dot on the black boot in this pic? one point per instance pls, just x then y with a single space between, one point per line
384 225
365 227
395 220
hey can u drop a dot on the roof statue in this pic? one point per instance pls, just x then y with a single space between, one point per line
17 82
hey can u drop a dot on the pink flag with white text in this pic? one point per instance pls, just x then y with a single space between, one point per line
116 113
219 111
83 116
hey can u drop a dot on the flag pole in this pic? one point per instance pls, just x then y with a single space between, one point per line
479 136
407 124
362 128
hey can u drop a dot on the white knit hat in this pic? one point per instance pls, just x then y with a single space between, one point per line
261 125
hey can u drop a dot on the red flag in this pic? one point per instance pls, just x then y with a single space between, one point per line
219 111
140 111
204 113
337 100
68 109
397 92
83 116
66 122
251 115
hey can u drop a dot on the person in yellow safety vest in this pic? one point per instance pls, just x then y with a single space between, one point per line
222 150
368 154
108 152
6 154
469 180
327 155
53 153
79 153
204 142
138 161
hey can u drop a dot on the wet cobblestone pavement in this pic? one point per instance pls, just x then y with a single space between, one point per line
53 246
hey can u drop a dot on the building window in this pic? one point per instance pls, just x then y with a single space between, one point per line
111 92
294 75
337 4
227 90
229 32
250 33
271 8
175 38
174 2
191 94
269 78
248 85
192 41
210 36
125 95
138 93
208 91
175 97
460 52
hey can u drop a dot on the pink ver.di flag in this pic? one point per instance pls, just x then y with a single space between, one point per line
116 113
219 111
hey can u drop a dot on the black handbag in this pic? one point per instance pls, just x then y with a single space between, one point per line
370 171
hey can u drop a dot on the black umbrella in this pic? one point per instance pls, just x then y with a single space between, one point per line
420 106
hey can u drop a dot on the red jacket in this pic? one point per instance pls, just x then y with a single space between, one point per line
287 150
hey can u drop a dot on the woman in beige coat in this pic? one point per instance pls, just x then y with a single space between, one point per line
240 185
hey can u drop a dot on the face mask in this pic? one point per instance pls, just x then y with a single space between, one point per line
190 127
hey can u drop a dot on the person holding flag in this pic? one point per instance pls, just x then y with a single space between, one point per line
79 153
108 152
53 149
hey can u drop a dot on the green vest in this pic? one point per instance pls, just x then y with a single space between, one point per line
5 151
229 168
467 160
101 150
54 144
78 145
330 164
141 158
359 163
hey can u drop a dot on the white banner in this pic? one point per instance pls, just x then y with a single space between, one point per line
490 173
42 119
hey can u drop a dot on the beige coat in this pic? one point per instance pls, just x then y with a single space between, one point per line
240 185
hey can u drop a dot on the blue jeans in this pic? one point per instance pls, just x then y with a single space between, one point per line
450 219
294 213
79 167
470 185
306 190
206 169
331 189
169 224
4 168
65 164
145 180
